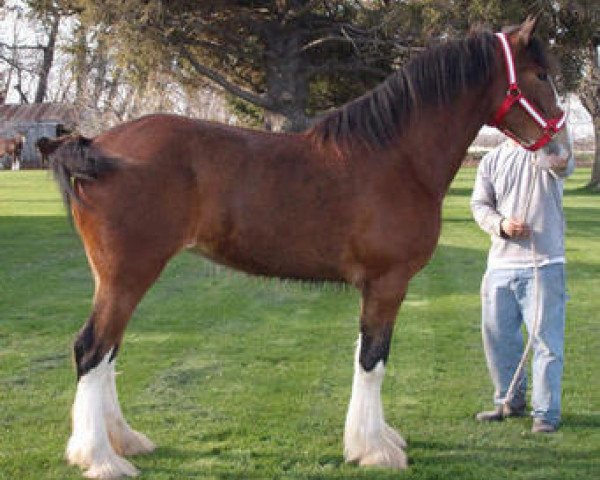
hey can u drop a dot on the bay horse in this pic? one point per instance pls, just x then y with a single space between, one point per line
45 146
357 198
13 147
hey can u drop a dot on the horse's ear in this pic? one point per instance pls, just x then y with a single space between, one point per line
527 28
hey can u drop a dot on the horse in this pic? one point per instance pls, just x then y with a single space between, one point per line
46 146
356 198
13 146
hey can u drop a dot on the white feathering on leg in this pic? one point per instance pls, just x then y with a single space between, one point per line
123 438
89 445
368 440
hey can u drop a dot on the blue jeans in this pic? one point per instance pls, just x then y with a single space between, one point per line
508 299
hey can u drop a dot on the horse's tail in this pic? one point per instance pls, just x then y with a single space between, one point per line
75 158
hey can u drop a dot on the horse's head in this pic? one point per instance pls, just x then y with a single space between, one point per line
47 146
527 107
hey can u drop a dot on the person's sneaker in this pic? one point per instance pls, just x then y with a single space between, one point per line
500 413
539 426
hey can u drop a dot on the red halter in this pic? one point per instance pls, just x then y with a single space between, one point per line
514 96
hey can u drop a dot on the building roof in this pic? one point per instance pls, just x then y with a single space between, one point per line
38 112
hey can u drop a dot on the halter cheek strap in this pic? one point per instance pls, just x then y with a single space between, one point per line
514 97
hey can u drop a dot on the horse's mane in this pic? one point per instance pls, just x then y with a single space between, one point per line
435 77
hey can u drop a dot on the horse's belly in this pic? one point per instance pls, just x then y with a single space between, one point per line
272 261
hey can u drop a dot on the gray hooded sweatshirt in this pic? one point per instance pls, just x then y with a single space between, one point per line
501 190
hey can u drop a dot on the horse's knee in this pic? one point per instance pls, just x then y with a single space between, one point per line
374 347
381 300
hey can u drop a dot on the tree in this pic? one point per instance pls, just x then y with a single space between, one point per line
49 14
32 56
578 35
14 55
277 55
589 92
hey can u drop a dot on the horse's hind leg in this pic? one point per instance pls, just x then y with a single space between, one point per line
368 440
100 433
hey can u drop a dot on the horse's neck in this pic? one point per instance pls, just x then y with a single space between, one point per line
442 140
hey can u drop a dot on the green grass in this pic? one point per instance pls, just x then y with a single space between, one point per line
235 377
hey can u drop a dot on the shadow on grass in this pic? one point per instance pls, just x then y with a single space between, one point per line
533 456
582 191
578 420
460 192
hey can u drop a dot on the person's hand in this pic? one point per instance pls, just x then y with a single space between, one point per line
514 228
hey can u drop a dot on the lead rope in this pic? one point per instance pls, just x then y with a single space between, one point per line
534 329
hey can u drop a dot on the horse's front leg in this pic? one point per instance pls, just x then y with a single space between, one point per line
100 433
368 440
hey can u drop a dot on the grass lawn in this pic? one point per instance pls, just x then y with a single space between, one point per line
236 377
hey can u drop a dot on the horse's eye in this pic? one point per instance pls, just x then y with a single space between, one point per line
543 76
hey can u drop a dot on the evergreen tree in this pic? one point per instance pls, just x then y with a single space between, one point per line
288 57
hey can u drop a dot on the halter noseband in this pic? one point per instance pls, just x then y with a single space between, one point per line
514 96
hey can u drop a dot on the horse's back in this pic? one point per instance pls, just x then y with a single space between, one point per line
167 138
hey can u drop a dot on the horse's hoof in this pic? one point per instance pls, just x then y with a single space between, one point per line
98 462
389 457
386 450
111 467
130 442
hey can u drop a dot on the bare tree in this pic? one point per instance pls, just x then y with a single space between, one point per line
15 56
51 22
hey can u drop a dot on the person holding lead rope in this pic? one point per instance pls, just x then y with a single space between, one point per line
517 199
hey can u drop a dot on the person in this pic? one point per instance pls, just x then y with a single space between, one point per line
500 195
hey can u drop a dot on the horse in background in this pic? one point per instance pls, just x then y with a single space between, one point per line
13 147
356 199
45 146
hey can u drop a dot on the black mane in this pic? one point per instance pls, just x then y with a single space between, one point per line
433 78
